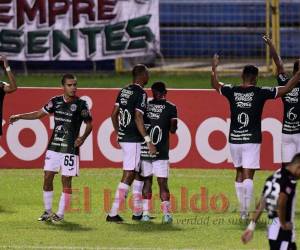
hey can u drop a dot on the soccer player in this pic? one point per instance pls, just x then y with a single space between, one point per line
63 149
246 106
291 119
160 120
6 88
128 122
278 198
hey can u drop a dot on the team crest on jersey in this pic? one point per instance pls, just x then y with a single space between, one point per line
293 96
73 107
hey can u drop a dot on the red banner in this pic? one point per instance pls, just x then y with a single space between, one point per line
201 140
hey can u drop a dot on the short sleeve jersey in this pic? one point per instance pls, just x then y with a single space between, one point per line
130 99
291 106
68 117
246 106
158 123
282 181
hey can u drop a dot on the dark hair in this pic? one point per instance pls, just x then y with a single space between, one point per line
139 70
296 158
296 66
250 71
66 77
159 87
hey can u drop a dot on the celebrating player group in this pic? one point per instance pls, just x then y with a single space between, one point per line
143 127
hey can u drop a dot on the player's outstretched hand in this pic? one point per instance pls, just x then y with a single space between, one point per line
4 60
215 61
247 236
13 119
267 40
152 148
79 141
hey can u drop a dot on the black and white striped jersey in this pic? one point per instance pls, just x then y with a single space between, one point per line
282 181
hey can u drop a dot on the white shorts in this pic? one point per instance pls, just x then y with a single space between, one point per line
290 145
159 168
131 155
67 163
246 155
276 233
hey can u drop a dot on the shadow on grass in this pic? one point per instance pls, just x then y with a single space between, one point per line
67 226
6 211
149 227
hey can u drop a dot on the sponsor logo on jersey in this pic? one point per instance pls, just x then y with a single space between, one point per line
292 97
125 93
124 101
243 97
153 116
244 104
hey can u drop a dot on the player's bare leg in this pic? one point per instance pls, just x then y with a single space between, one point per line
165 199
64 198
47 195
248 175
137 192
239 189
147 195
121 195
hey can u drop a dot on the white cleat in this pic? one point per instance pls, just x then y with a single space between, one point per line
244 216
167 219
145 218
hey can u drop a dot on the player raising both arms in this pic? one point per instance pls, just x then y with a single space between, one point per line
128 121
160 120
245 136
6 88
63 149
290 141
278 198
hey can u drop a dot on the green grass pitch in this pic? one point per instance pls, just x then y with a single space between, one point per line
21 197
21 205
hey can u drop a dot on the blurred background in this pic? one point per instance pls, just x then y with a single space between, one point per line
191 31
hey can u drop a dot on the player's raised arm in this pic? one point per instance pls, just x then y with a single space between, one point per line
28 116
11 86
248 233
290 85
282 201
214 76
276 58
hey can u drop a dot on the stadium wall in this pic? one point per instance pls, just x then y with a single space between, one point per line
201 141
